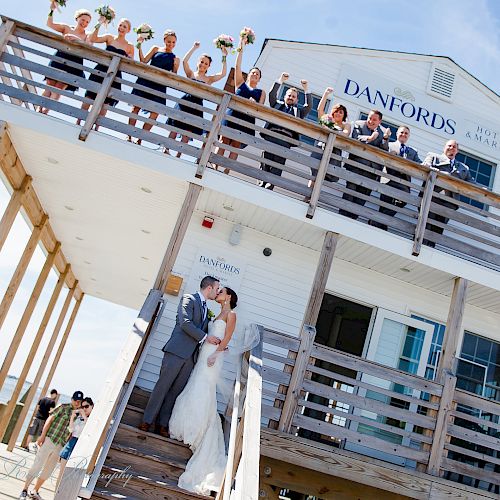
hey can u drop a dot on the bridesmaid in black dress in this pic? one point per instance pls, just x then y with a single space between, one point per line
159 57
117 44
71 33
200 75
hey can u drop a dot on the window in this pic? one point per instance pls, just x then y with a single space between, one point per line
385 124
481 170
313 114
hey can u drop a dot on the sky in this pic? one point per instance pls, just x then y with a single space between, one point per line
468 31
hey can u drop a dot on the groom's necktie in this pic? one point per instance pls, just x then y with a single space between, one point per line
204 310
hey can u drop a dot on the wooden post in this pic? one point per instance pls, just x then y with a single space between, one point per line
183 220
320 278
212 135
6 29
299 370
100 98
30 307
441 429
423 213
320 176
62 344
38 377
15 203
18 275
9 410
453 326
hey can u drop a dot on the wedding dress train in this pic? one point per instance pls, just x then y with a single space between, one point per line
195 421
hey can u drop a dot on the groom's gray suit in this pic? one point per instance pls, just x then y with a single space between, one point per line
178 361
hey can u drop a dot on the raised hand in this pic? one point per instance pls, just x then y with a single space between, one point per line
284 77
212 339
196 45
328 91
224 51
53 5
304 84
387 133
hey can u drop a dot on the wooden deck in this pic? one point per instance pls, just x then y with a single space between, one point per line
13 468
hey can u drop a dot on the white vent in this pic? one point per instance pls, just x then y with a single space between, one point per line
441 83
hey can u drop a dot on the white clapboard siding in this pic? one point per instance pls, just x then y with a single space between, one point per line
274 290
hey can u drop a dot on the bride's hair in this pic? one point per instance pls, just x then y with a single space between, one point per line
234 298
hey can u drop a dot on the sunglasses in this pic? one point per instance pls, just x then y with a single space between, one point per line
85 406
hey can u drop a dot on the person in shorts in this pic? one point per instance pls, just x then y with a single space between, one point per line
42 413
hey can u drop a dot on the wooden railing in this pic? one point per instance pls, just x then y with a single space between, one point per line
343 176
356 404
244 438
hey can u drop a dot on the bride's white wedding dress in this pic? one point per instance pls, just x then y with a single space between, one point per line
195 421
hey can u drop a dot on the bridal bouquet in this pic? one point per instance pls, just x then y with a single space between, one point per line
224 41
210 315
327 121
144 33
107 12
248 34
59 3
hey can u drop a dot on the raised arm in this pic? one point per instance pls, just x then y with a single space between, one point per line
95 38
322 102
185 60
223 72
273 93
146 58
238 75
59 27
304 110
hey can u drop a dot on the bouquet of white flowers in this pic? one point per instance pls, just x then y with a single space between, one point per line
59 3
224 41
107 12
144 33
248 33
327 121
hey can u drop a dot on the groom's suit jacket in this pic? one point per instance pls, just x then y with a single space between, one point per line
190 327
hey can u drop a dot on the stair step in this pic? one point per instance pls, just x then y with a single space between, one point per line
139 487
132 415
139 397
142 462
153 444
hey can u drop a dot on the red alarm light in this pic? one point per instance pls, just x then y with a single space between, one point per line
207 222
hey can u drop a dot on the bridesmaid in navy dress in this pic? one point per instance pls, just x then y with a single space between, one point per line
247 89
159 57
200 75
72 33
117 44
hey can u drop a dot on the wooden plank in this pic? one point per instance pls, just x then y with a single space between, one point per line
318 484
6 30
489 476
483 457
320 176
478 402
276 376
368 404
297 377
442 421
38 377
212 135
423 213
377 370
100 98
281 340
340 463
448 491
478 438
25 318
323 268
12 209
453 327
9 410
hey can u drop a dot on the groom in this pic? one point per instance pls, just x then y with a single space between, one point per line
178 361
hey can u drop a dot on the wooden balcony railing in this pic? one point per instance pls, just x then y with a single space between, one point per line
363 406
327 177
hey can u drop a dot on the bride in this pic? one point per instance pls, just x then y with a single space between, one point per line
194 419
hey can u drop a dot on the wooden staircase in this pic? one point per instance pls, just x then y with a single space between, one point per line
142 465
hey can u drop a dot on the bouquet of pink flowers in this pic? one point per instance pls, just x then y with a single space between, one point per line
327 121
224 41
248 34
144 33
59 3
107 12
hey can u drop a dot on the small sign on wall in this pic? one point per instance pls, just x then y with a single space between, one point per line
228 270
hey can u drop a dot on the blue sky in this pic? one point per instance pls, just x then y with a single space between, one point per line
468 31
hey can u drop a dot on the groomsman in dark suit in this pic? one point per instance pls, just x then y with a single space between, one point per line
445 162
288 105
370 132
400 148
190 331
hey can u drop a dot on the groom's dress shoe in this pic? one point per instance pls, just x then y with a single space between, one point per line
144 426
163 431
